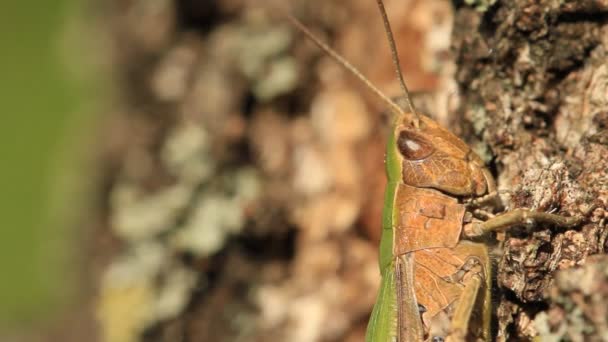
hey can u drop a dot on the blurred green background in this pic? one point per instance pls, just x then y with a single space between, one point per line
41 106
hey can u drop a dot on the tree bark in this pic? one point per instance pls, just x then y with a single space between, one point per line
533 82
242 170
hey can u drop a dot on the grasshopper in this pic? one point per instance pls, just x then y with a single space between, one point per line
436 279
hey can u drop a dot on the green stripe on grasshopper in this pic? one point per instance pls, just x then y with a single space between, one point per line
390 308
382 326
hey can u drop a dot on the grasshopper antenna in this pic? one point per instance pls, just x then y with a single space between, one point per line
395 55
344 63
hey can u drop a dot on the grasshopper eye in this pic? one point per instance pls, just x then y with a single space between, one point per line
412 146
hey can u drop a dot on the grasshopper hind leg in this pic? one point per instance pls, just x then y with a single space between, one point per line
469 317
463 312
442 329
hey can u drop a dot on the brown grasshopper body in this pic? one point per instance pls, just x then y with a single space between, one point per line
450 278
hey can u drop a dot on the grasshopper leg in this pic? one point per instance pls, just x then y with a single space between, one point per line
515 218
464 309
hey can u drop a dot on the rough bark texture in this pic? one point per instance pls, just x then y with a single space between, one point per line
533 79
243 174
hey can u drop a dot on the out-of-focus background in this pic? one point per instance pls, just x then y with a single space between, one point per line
41 138
160 154
184 170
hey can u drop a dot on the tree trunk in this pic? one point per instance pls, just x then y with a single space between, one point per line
533 82
242 170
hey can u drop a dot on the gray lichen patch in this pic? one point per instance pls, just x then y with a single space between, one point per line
195 214
187 153
139 216
131 299
217 215
259 49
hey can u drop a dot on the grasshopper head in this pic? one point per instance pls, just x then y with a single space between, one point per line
422 154
432 157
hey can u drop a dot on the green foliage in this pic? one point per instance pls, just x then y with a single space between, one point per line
38 105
